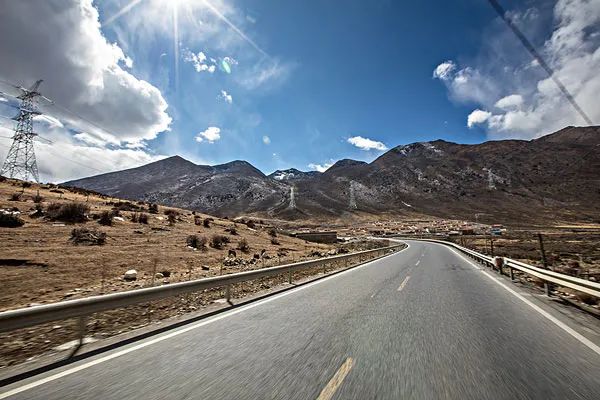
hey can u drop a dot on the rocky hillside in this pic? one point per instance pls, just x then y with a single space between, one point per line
554 177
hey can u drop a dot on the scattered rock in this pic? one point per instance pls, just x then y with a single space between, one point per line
231 261
205 267
159 275
166 273
130 275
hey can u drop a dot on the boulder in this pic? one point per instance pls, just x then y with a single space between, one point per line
130 275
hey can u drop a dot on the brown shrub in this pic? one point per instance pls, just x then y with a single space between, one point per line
10 221
197 242
106 218
218 241
143 218
68 212
243 245
89 237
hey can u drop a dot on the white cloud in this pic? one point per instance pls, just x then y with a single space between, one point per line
526 103
478 117
510 102
266 139
80 68
211 134
3 100
320 167
366 143
226 97
68 158
198 60
444 70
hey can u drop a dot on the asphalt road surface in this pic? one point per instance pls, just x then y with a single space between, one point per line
424 323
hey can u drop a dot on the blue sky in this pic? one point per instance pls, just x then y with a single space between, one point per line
308 83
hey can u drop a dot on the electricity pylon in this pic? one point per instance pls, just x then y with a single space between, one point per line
20 162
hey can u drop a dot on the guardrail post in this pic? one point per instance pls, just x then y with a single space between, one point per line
290 276
512 274
81 330
228 293
324 266
547 289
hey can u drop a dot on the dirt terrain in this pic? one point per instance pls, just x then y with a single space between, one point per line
40 262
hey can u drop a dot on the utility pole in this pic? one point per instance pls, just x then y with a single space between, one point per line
20 161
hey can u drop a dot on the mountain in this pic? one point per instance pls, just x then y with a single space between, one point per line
227 189
292 174
556 176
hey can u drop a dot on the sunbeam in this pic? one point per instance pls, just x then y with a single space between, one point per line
235 28
122 11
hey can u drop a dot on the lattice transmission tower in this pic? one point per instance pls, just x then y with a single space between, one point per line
20 161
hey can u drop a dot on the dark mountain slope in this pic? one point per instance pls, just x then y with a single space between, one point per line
556 176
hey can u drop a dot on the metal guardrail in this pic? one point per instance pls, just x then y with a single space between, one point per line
581 285
30 316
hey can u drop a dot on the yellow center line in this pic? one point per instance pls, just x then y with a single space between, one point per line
335 382
403 283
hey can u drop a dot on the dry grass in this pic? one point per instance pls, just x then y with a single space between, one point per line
55 267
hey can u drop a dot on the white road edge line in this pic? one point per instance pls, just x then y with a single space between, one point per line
417 264
403 283
582 339
177 332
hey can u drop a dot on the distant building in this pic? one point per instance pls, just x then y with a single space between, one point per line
317 237
496 229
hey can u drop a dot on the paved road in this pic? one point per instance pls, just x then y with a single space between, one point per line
422 324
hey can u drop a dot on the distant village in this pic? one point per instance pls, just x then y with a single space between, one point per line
414 227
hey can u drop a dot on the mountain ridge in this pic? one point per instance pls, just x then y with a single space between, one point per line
551 176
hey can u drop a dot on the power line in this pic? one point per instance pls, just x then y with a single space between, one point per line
61 156
525 42
58 106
